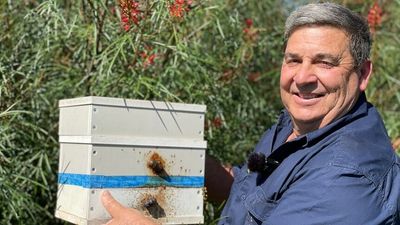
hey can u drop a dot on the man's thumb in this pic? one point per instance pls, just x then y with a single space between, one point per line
112 206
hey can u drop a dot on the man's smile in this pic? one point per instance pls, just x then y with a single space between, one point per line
307 99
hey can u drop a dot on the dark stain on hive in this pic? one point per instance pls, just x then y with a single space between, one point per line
157 166
156 163
152 204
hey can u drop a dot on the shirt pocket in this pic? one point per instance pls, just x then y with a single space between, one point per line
258 206
240 175
233 206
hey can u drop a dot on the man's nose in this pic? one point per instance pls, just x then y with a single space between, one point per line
305 75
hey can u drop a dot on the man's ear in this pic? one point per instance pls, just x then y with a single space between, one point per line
365 73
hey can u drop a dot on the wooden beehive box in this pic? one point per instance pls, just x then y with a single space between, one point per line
150 155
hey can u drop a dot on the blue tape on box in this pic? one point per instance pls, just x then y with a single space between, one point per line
100 181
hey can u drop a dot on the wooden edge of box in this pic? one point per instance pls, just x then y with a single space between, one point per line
81 221
149 142
182 220
72 218
132 103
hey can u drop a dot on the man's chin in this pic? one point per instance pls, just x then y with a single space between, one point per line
307 123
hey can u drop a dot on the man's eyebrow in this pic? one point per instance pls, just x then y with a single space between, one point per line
290 55
335 59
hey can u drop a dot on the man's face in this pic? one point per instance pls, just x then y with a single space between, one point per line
318 82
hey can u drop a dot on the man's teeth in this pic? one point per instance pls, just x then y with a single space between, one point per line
309 96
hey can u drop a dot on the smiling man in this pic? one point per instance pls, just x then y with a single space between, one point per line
328 160
319 81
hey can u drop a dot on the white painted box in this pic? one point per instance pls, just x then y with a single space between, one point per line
150 155
101 116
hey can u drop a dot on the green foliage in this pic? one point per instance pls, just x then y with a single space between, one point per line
384 90
54 49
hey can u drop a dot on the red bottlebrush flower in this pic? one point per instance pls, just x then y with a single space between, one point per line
374 16
227 76
178 8
149 60
124 19
254 77
146 58
250 33
127 27
217 122
112 10
134 4
129 13
143 54
249 22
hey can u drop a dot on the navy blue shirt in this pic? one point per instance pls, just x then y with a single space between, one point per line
344 173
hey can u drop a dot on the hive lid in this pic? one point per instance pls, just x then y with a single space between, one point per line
131 103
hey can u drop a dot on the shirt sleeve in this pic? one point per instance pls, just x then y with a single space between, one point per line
329 195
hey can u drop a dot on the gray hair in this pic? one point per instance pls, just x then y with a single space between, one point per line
338 16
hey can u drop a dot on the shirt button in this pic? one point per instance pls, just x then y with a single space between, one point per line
250 218
243 197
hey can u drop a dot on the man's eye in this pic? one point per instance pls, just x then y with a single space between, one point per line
292 62
326 64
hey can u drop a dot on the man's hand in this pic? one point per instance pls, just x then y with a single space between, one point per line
122 215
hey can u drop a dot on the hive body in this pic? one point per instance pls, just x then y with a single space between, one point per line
150 155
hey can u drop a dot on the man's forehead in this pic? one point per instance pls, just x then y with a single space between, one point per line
340 31
318 37
311 26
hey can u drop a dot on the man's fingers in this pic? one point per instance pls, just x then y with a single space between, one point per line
112 206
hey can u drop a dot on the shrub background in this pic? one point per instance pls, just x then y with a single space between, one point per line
222 53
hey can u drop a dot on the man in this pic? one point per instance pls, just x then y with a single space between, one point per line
328 160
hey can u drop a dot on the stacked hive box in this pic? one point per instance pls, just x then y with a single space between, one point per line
150 155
